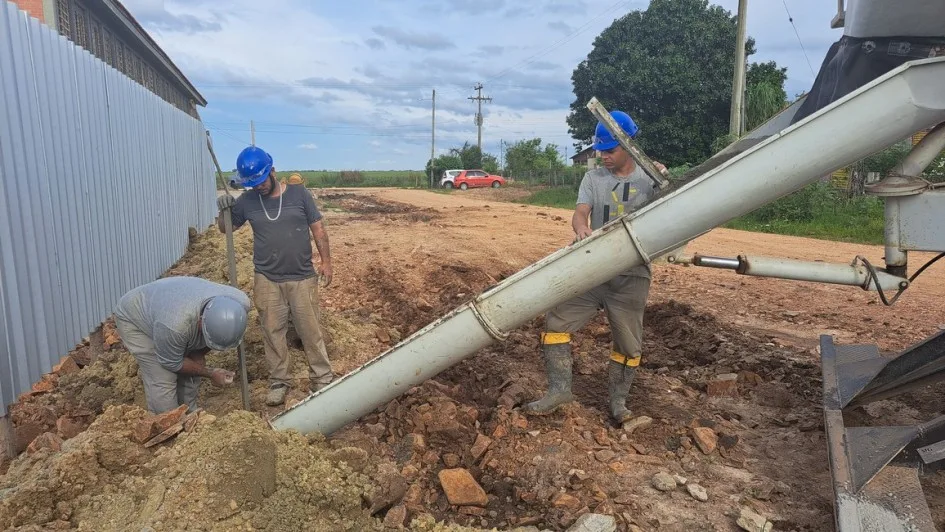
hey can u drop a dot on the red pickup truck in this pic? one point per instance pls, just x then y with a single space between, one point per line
477 178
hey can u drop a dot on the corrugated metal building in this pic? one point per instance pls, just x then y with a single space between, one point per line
108 31
103 174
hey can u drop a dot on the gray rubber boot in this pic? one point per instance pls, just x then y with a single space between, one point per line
620 378
558 367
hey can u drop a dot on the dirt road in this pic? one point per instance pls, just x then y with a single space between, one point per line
510 235
404 258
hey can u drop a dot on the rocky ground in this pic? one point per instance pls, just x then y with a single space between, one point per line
729 434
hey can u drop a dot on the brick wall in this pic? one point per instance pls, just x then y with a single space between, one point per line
33 7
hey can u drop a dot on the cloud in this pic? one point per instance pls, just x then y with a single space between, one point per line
409 40
375 44
308 146
376 143
570 7
542 65
474 7
561 26
491 50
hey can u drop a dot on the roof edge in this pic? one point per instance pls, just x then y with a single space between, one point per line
118 11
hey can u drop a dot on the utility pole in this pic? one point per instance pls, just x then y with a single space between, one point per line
501 156
478 98
738 83
252 133
433 139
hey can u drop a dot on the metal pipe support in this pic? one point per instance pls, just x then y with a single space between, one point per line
853 274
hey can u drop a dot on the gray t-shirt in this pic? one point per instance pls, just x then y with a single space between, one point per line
167 310
282 248
895 18
611 197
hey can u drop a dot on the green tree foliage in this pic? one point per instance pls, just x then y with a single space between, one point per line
441 164
765 93
671 68
469 154
528 156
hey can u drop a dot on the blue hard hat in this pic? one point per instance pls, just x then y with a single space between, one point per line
603 140
253 166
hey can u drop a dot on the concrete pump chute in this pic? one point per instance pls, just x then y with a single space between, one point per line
877 115
885 111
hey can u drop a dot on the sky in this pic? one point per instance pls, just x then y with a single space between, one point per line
348 85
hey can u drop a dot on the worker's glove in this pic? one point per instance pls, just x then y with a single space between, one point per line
225 202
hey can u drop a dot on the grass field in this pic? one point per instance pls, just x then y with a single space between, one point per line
818 211
361 178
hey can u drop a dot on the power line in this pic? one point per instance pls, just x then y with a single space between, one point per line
791 20
225 134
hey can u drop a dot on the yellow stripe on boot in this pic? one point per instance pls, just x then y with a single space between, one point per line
624 360
553 338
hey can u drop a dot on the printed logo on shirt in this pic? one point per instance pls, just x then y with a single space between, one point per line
620 196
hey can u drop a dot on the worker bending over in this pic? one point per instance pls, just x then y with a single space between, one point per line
169 325
286 280
605 194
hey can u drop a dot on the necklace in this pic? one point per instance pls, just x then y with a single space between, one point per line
281 194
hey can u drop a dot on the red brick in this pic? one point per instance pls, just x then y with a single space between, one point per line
706 439
46 440
33 7
461 488
151 426
727 388
66 366
68 427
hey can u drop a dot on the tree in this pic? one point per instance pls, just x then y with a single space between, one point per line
469 154
528 156
441 164
671 68
766 96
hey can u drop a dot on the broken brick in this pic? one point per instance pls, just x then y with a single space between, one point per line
749 377
66 366
44 385
722 388
68 427
151 426
461 488
472 510
480 445
500 432
563 500
519 422
45 441
396 516
168 419
706 439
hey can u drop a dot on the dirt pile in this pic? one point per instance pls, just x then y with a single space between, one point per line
226 473
548 471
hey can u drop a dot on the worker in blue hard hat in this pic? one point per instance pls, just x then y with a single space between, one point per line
282 216
605 194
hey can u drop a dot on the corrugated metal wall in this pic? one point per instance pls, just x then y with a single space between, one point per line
100 181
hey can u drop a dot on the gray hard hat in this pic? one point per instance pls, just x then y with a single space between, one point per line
223 323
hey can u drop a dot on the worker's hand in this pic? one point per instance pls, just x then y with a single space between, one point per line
659 166
582 234
222 377
226 201
324 271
